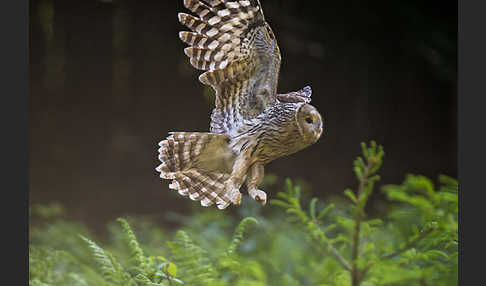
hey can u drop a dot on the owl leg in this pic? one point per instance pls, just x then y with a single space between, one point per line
255 178
240 168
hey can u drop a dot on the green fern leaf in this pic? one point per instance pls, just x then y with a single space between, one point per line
242 227
192 261
136 253
111 269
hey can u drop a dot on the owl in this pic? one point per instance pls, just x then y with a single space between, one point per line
251 124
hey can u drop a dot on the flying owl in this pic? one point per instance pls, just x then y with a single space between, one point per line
251 125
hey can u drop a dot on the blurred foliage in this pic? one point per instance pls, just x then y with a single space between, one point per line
413 241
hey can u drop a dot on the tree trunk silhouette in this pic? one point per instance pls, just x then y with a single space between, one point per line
55 55
123 51
123 82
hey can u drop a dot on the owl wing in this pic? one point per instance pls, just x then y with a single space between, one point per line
237 49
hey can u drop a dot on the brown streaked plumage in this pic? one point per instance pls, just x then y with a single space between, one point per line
251 124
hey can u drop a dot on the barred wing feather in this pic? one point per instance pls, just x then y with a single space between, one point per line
237 49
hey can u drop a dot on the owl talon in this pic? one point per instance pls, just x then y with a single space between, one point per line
259 196
236 197
233 192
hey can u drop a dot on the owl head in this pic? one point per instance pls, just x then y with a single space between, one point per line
309 121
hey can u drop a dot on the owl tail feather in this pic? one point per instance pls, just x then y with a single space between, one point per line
179 155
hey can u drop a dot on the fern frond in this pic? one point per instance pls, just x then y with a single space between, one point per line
238 235
145 281
110 267
192 261
76 279
136 253
39 265
37 282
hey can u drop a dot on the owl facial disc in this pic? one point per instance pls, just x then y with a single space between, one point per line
310 123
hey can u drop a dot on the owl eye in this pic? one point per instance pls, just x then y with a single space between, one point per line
308 120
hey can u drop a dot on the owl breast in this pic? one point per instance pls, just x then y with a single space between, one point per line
274 133
273 145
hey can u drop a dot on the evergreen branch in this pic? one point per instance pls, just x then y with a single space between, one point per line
318 235
338 257
409 245
357 228
290 201
373 156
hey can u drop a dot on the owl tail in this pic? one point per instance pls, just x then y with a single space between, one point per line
184 156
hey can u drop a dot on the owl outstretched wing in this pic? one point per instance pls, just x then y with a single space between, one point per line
237 49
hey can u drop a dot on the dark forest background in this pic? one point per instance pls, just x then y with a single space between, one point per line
109 79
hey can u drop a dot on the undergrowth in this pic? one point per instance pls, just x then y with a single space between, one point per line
296 240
